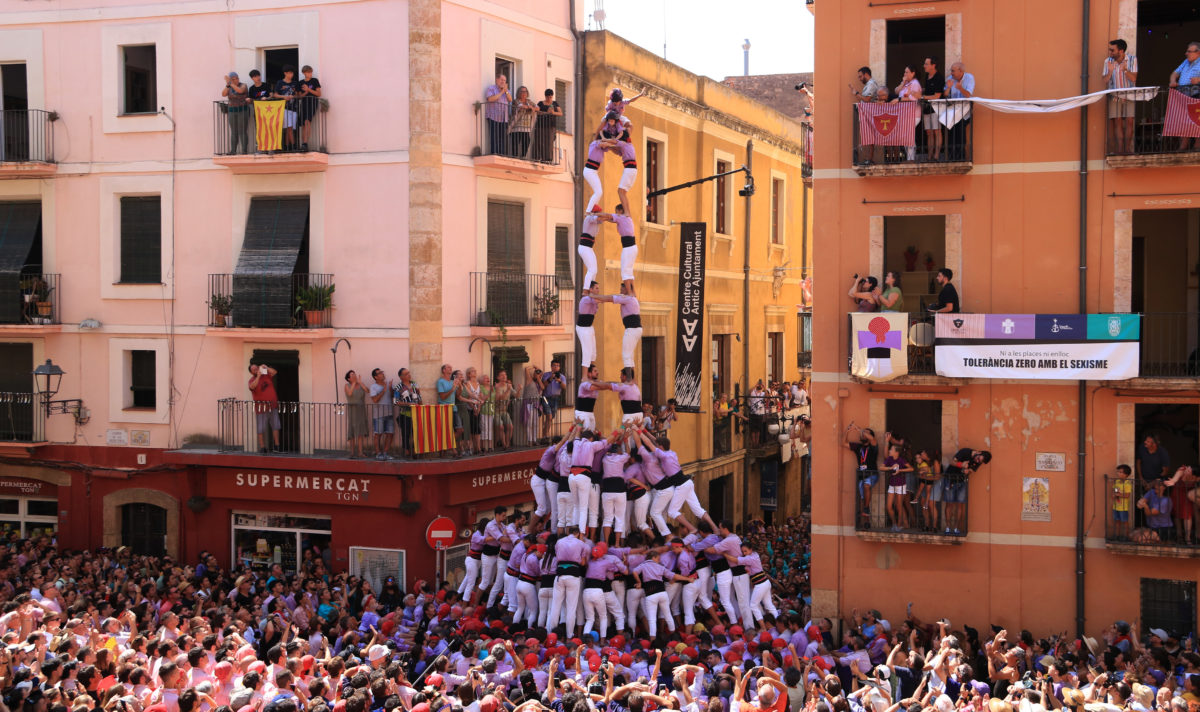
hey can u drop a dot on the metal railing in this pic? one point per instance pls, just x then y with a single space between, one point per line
804 352
1141 132
22 418
502 130
920 344
322 429
34 301
806 145
268 300
26 136
1127 521
1169 345
514 299
928 508
954 126
235 128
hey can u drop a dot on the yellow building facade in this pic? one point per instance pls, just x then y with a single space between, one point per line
687 127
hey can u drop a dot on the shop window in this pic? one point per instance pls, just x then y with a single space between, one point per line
261 540
141 240
144 529
140 67
1170 605
28 517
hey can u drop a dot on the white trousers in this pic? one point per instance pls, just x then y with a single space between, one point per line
552 500
510 592
685 494
628 257
498 586
581 491
540 496
628 176
633 606
592 177
527 603
725 591
587 419
614 510
595 608
674 593
632 419
565 602
588 255
658 506
587 345
470 578
489 572
704 578
566 508
638 512
658 605
741 590
691 594
760 600
629 343
616 612
545 595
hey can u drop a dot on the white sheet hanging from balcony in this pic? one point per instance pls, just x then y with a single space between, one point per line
951 111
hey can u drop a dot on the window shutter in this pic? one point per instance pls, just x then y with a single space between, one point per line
276 230
141 240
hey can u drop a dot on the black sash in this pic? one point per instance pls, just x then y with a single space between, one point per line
631 407
547 581
632 321
529 578
587 240
662 484
595 583
634 491
628 240
758 578
585 405
584 319
719 565
739 570
653 587
570 568
491 549
612 484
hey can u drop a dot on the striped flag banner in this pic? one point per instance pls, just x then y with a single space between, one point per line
888 124
1183 115
268 122
433 428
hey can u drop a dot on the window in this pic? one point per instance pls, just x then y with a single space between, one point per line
1170 605
28 517
141 240
142 379
262 539
777 210
562 256
274 250
720 364
723 199
562 94
274 60
651 374
654 181
506 291
775 355
508 68
914 247
140 68
144 529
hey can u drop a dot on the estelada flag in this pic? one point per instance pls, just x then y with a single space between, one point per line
433 428
1183 115
268 121
888 124
879 345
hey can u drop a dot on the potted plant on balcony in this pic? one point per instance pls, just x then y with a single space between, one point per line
41 297
222 305
545 306
929 263
314 301
911 253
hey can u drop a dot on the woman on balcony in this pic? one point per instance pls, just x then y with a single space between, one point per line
891 299
470 401
503 394
521 126
862 293
909 90
357 430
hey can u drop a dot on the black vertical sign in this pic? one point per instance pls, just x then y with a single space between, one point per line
689 346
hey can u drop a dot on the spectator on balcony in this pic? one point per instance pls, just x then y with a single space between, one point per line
897 469
532 402
870 87
309 102
357 430
502 393
487 413
554 382
929 487
1156 505
1186 77
520 126
1153 461
405 394
933 87
238 110
548 112
1120 71
966 462
909 89
891 299
382 423
758 411
862 293
266 404
447 391
496 111
470 404
947 301
287 89
960 85
1122 496
1183 497
256 91
866 452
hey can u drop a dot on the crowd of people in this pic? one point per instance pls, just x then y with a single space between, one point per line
868 295
302 99
923 84
516 125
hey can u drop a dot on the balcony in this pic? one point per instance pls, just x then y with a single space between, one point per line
955 156
303 148
21 418
29 300
319 429
1130 529
515 142
806 145
514 299
920 344
938 516
1147 146
27 143
242 303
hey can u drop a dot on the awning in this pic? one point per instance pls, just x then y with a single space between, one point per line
263 281
19 225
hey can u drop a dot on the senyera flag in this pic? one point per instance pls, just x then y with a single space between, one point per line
433 428
888 124
268 120
1183 115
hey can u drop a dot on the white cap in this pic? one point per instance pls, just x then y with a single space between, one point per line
376 652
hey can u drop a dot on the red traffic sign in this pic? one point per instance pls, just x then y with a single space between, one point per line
440 533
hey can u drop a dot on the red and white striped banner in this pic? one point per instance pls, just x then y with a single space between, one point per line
888 124
1183 115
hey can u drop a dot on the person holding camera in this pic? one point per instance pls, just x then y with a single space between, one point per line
238 112
266 404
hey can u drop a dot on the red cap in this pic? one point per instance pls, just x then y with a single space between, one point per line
736 631
599 550
306 662
387 627
488 704
646 644
618 641
690 652
576 641
673 659
732 657
626 659
441 595
551 638
718 629
596 208
764 637
531 642
779 643
531 660
443 610
435 680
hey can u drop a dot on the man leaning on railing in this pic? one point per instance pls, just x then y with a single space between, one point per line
960 85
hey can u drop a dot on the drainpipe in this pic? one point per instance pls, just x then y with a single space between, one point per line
746 336
580 143
1080 478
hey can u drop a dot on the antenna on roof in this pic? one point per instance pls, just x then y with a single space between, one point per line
598 14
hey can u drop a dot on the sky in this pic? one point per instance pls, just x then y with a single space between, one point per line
706 36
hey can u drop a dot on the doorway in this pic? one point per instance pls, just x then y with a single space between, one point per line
651 375
1165 248
275 59
14 112
914 247
918 422
910 42
718 498
144 529
1164 29
16 382
1177 427
287 386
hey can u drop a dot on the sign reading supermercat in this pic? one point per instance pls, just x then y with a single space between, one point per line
1096 347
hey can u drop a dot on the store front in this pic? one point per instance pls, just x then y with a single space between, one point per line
28 508
263 539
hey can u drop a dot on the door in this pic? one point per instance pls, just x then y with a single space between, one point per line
14 124
718 495
16 398
507 297
287 387
144 529
274 60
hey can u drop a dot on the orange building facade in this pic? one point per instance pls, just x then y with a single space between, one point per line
1006 207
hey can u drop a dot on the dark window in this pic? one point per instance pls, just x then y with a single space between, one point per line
141 240
804 350
141 80
1170 605
20 258
144 529
562 94
17 412
775 355
15 139
562 256
720 364
41 508
722 198
652 371
141 379
508 68
653 158
777 211
567 359
274 60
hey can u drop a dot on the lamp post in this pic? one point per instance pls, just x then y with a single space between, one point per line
46 380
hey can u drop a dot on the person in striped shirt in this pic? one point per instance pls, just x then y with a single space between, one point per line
1120 71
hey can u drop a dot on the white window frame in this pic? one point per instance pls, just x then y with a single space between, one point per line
25 46
112 189
113 40
648 135
120 400
24 519
561 69
255 33
728 158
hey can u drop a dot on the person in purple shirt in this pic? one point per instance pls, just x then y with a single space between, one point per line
729 547
588 232
597 583
653 577
612 492
544 484
760 583
474 552
572 554
1157 506
565 498
626 230
585 318
631 319
591 168
494 535
704 538
527 582
497 103
661 484
685 565
634 595
637 494
631 399
512 574
548 566
628 176
584 450
684 491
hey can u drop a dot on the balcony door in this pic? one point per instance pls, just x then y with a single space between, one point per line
16 411
14 112
1162 289
287 387
507 296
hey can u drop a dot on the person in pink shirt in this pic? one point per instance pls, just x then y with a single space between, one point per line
585 399
631 319
585 319
631 399
588 232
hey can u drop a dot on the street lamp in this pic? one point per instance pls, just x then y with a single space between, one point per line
46 380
